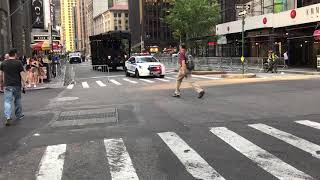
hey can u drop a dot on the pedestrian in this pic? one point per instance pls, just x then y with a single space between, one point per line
185 73
286 59
12 80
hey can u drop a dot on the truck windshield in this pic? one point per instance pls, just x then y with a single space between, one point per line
147 59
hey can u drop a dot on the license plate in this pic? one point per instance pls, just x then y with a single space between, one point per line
155 73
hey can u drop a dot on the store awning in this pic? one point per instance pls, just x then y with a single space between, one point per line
44 46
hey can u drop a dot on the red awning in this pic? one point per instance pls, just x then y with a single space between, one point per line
44 45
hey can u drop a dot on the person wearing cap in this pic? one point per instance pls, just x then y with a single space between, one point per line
12 81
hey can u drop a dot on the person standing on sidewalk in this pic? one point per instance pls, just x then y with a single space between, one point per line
12 80
184 72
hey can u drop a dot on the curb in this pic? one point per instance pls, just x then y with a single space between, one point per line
238 76
208 72
301 72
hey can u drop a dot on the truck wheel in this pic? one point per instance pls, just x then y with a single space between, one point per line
137 74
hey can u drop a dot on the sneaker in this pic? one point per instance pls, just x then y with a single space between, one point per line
34 86
20 118
201 94
7 122
176 95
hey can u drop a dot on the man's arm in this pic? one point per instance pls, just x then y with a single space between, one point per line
1 80
23 79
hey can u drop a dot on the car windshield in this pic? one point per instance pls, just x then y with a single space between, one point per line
146 59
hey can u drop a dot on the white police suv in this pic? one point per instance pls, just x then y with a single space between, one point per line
144 66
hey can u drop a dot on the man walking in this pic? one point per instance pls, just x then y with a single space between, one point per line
184 72
12 80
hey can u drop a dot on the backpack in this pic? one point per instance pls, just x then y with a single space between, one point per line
190 62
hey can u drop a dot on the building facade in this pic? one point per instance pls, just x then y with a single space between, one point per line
147 23
278 25
115 18
68 24
89 24
5 35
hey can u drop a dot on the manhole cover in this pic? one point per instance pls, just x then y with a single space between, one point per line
86 117
67 99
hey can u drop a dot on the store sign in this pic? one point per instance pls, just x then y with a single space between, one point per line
37 14
313 11
42 38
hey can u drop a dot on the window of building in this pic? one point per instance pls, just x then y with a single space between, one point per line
126 15
116 28
119 14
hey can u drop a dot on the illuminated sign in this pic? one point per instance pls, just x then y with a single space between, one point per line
37 14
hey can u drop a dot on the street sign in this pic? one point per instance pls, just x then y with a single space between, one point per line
242 59
243 13
242 6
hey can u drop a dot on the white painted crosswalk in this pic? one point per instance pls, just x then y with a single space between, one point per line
101 84
118 81
289 138
85 85
121 163
191 160
51 165
264 159
312 124
121 166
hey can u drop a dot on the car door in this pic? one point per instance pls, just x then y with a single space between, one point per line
131 64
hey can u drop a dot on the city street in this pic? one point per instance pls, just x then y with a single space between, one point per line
115 127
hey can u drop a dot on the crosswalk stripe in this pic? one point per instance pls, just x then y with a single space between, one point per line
163 80
170 78
121 166
70 86
264 159
146 80
192 161
101 84
130 81
51 165
115 82
205 77
289 138
312 124
85 85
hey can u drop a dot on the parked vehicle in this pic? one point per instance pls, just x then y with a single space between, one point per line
144 66
75 57
112 49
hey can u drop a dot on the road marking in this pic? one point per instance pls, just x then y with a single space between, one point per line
170 78
70 86
51 165
99 77
120 163
191 160
130 81
205 77
163 80
146 80
264 159
101 84
312 124
289 138
115 82
85 85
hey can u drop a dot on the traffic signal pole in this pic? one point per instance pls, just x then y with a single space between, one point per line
242 54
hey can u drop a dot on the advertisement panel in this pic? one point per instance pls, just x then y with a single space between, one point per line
37 14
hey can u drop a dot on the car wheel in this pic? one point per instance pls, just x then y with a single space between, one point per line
162 76
114 68
137 74
126 72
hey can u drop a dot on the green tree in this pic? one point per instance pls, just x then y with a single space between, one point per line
193 18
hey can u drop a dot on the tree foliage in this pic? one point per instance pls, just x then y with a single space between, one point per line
193 18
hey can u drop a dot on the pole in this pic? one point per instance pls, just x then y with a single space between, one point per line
243 16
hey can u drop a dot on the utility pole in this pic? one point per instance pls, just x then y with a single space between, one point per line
243 14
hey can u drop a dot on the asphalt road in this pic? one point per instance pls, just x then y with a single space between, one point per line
116 127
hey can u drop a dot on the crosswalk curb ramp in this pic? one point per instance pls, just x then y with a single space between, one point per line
121 165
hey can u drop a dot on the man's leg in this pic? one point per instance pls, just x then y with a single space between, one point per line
179 81
17 102
195 86
8 98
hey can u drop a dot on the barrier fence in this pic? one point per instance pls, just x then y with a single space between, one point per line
224 63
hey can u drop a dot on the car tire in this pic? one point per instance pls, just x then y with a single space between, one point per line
126 72
137 75
162 76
